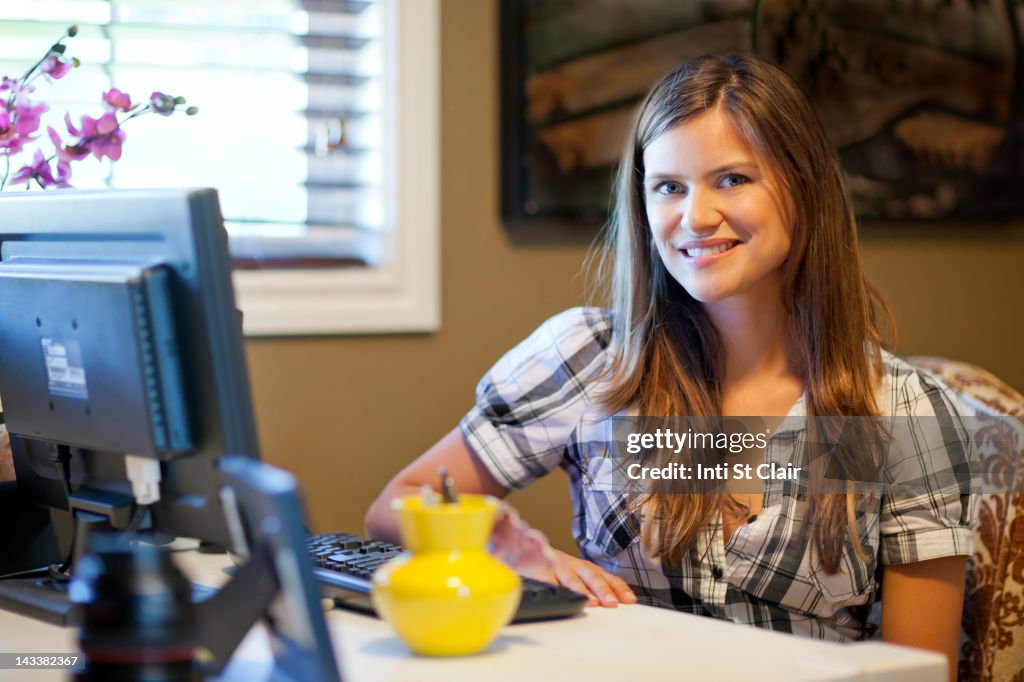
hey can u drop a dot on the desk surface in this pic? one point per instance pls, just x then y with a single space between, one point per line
601 644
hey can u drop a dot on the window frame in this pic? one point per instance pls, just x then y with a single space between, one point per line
402 295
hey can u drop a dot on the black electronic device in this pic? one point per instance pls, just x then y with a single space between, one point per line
267 525
343 563
122 369
94 285
124 385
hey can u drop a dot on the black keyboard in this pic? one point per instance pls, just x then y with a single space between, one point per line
343 564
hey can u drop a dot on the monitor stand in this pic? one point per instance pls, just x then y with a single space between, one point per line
42 593
38 596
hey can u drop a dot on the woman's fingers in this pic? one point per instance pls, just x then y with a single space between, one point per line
568 577
590 579
623 591
598 584
527 551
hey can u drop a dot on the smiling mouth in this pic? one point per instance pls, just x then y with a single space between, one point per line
709 251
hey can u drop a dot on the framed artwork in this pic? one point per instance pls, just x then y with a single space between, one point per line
924 101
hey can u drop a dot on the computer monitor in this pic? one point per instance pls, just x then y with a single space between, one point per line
119 336
125 391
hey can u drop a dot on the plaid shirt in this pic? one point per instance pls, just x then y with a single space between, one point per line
535 410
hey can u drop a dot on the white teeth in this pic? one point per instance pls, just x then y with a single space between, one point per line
696 253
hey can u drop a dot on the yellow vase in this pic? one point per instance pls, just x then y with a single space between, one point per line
446 596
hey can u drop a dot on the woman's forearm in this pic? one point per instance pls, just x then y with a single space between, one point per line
451 452
381 522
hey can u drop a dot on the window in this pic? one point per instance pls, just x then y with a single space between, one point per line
318 125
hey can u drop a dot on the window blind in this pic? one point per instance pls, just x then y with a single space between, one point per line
292 112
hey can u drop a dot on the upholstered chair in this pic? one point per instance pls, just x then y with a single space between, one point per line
992 643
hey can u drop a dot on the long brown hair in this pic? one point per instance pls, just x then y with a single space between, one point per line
667 357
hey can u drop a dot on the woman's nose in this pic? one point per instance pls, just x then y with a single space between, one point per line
701 214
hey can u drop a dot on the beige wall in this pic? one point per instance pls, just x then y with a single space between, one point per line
346 413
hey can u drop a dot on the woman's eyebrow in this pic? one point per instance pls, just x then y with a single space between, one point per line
732 166
714 171
660 176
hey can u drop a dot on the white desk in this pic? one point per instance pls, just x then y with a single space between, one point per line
628 642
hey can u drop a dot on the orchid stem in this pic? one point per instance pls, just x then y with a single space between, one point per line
40 62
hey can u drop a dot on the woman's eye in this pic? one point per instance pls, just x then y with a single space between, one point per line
734 180
669 188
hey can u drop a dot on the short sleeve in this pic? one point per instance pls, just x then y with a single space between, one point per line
531 400
929 511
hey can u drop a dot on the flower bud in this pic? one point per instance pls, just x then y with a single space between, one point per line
192 111
72 30
54 67
75 62
58 48
179 100
161 103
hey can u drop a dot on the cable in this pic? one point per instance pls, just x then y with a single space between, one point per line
138 516
62 460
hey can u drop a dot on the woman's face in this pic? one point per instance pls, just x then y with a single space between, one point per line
716 211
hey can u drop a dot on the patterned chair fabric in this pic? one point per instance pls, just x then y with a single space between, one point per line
992 642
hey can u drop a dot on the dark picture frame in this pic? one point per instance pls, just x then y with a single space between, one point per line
923 101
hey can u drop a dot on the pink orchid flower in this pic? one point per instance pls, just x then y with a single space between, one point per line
55 67
65 155
103 136
71 152
39 170
11 142
18 124
26 115
71 126
117 99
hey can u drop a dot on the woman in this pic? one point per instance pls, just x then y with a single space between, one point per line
735 289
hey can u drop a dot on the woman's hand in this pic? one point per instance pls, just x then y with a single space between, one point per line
527 551
588 578
6 457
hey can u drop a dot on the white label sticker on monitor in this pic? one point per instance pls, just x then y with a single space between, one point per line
65 372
